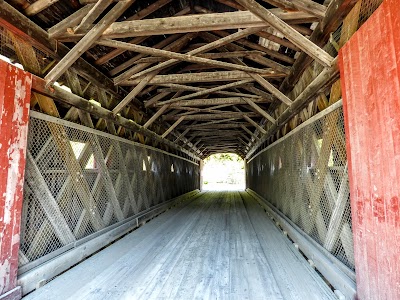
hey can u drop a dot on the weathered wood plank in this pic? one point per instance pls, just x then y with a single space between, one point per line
304 5
176 56
132 94
92 15
292 35
156 116
85 43
217 101
214 116
203 22
172 127
38 6
14 21
171 43
336 12
69 22
204 77
260 110
212 45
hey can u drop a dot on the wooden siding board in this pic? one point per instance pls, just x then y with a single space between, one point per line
370 75
15 90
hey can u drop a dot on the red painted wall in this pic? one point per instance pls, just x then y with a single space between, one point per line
370 72
15 92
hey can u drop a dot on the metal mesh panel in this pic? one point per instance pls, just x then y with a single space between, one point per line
304 175
79 181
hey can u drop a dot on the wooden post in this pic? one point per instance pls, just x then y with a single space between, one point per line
369 65
15 93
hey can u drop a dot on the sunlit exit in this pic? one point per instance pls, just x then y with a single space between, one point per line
222 172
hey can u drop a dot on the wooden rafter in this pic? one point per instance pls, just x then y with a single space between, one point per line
177 56
217 116
85 43
213 45
292 35
171 43
204 22
205 77
308 6
217 101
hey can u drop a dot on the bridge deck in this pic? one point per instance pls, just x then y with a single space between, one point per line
220 246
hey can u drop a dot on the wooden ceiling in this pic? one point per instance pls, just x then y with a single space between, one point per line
212 72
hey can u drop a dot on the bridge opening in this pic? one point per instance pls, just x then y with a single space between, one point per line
223 172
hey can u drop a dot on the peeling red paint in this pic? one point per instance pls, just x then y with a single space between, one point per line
370 78
15 90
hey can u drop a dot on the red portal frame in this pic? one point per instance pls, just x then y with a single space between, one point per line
370 77
15 93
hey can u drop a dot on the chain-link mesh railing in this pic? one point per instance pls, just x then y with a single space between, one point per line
79 181
304 175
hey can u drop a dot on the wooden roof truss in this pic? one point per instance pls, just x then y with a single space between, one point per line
214 79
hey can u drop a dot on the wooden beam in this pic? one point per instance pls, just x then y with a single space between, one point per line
336 12
252 122
260 110
253 135
318 85
204 77
155 99
256 46
258 92
273 90
213 116
172 43
232 4
213 45
38 6
207 91
218 101
256 58
132 94
69 22
14 21
215 133
92 15
85 2
204 22
180 136
114 53
193 110
273 38
180 87
206 55
216 126
148 10
177 56
292 35
269 87
39 86
155 116
172 127
85 43
213 122
137 40
308 6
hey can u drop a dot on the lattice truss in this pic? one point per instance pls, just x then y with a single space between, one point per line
79 181
305 177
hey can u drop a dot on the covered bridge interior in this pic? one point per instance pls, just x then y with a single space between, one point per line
108 108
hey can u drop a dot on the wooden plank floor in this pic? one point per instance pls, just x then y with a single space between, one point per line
222 245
